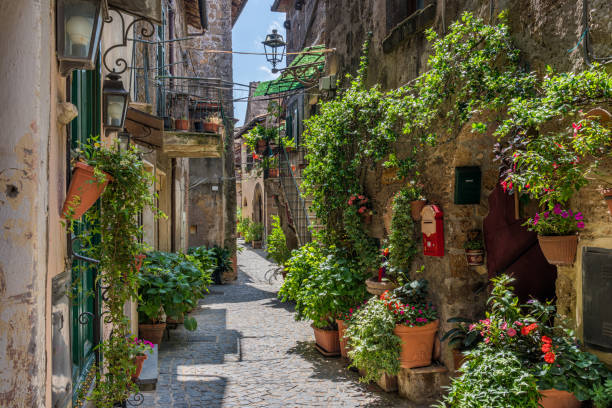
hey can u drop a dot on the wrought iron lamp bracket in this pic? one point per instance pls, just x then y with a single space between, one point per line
120 65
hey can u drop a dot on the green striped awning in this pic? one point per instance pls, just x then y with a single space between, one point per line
311 60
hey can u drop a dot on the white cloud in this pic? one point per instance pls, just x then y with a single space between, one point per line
268 71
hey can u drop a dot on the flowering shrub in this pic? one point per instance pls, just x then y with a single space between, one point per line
549 355
559 221
139 347
373 345
361 203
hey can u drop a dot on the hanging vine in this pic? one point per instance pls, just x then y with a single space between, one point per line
114 241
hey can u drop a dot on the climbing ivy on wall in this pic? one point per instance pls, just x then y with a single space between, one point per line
474 68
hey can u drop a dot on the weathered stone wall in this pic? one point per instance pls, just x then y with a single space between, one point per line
544 31
28 183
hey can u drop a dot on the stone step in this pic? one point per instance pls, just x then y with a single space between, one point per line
423 385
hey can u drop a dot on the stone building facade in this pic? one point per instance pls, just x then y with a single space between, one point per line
544 31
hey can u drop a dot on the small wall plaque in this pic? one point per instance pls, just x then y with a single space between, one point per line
467 185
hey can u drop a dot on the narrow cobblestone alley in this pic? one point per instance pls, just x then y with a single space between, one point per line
248 351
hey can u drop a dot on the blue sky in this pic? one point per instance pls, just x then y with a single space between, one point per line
249 31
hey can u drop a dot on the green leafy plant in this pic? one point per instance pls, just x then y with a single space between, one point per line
402 245
461 336
495 379
114 242
547 353
303 263
473 244
324 286
559 221
254 232
277 243
243 226
602 394
374 346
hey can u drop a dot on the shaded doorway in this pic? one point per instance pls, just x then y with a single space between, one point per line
258 204
513 250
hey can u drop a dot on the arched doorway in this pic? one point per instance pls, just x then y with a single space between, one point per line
513 250
258 204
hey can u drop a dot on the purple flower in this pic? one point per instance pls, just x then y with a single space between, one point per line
546 214
580 224
557 210
579 216
565 214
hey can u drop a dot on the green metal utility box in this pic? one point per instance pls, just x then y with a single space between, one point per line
467 185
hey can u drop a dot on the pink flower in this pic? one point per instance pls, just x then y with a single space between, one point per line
579 216
362 210
472 327
487 340
546 214
565 214
517 323
361 197
576 127
557 210
504 326
511 332
580 224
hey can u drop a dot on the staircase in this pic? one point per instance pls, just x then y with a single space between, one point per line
290 187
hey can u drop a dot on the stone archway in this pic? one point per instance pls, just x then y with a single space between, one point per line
258 215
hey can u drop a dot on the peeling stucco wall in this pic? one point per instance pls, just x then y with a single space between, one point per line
24 199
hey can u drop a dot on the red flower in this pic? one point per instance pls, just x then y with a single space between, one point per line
362 210
576 126
546 339
546 348
361 197
255 156
386 252
525 330
549 357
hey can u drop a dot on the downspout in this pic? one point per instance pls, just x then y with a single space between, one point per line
173 206
171 37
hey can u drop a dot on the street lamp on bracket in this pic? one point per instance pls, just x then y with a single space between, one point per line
274 47
78 27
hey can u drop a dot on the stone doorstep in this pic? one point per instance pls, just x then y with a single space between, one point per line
148 376
422 385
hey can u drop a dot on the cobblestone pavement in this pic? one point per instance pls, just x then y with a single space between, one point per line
248 351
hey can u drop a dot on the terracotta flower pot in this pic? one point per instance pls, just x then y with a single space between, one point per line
152 332
558 399
417 344
343 341
559 250
416 207
84 190
139 361
474 257
378 288
211 127
273 173
328 340
181 124
607 195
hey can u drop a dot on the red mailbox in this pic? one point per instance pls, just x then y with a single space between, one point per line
432 227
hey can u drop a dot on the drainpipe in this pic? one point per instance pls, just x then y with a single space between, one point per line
173 206
171 37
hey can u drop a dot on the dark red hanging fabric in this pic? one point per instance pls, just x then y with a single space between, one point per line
513 250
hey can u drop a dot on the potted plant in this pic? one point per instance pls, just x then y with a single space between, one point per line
86 185
414 190
138 352
394 330
363 206
182 123
151 319
276 247
212 123
557 233
323 281
474 248
243 226
343 321
542 363
462 338
256 231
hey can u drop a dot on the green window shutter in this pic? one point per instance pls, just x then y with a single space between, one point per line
85 95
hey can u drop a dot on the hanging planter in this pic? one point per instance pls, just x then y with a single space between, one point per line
553 398
416 207
474 248
84 191
417 344
559 250
607 195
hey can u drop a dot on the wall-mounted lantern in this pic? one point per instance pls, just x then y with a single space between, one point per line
79 23
272 45
115 102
